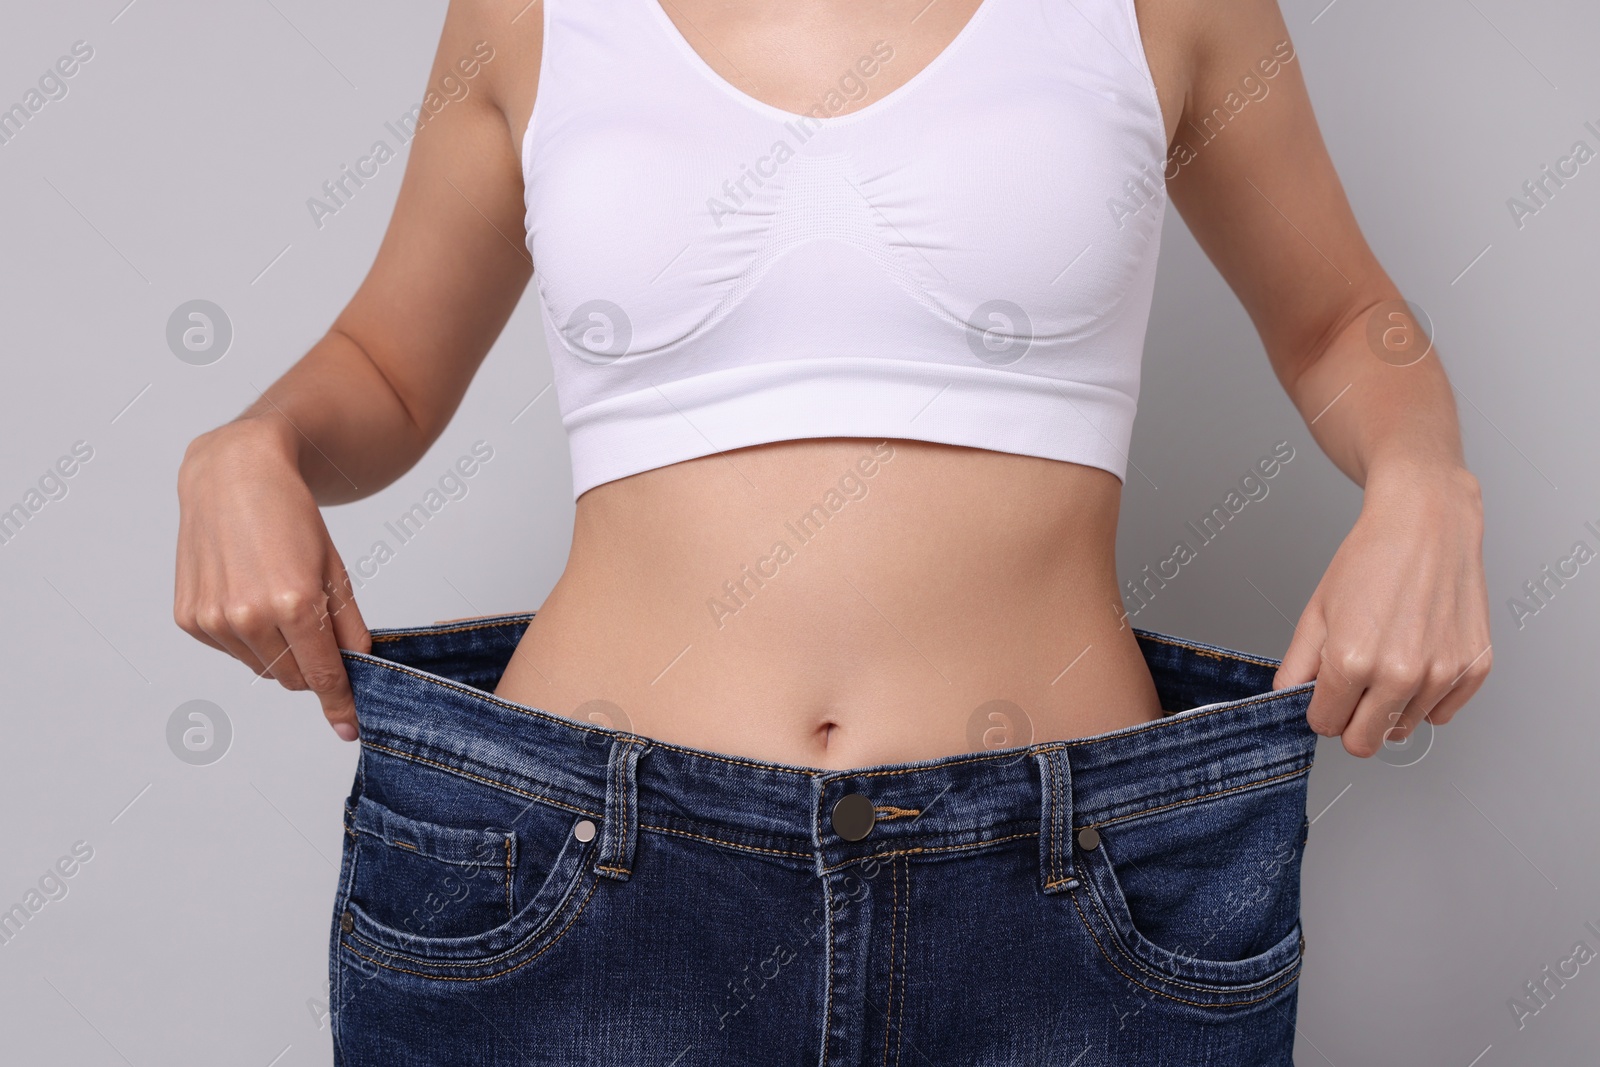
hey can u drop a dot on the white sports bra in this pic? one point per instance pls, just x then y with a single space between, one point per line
967 260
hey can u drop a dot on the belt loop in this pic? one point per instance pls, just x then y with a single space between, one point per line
620 827
1055 820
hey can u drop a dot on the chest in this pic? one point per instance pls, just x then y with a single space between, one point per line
795 56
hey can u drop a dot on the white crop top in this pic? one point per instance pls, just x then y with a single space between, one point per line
967 260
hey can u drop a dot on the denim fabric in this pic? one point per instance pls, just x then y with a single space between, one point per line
522 888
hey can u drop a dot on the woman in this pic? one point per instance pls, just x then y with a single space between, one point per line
833 743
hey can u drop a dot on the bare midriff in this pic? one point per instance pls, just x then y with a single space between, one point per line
841 602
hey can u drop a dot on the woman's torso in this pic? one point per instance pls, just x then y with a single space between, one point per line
927 599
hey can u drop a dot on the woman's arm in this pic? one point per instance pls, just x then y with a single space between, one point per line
1398 627
257 575
363 405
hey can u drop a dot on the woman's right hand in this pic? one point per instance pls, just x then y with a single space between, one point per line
258 577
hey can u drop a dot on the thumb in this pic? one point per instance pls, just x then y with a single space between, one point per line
1304 657
348 630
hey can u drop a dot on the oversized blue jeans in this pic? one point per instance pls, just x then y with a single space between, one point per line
523 888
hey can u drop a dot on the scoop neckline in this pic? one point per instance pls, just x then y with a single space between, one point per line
697 61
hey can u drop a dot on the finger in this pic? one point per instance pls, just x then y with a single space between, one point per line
1378 717
199 614
1394 678
213 622
1407 719
1303 659
1434 689
187 621
252 625
1466 684
307 629
1342 678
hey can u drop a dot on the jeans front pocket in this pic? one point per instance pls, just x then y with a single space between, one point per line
451 877
430 880
1199 899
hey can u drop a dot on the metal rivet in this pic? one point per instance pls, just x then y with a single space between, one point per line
853 817
584 831
1302 944
1088 839
347 922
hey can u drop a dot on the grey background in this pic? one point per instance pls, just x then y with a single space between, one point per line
178 168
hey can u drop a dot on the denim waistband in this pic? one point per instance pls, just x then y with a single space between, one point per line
423 695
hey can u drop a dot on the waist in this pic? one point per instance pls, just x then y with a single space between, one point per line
422 696
842 601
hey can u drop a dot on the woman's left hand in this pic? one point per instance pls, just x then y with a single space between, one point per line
1398 628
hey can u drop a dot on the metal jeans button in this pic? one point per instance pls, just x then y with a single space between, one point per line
853 816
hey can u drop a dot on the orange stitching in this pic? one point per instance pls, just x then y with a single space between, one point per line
894 922
923 767
613 870
622 791
780 852
827 1010
1202 796
460 978
900 1034
403 844
1178 717
537 713
1228 1003
1055 816
623 776
573 724
402 633
1241 657
720 841
1127 953
570 807
889 811
478 778
932 848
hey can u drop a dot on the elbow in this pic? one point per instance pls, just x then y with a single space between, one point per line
1340 328
422 423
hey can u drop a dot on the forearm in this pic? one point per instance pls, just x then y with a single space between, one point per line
1373 405
335 417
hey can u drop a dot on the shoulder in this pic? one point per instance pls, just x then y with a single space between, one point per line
496 45
1170 30
1198 47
